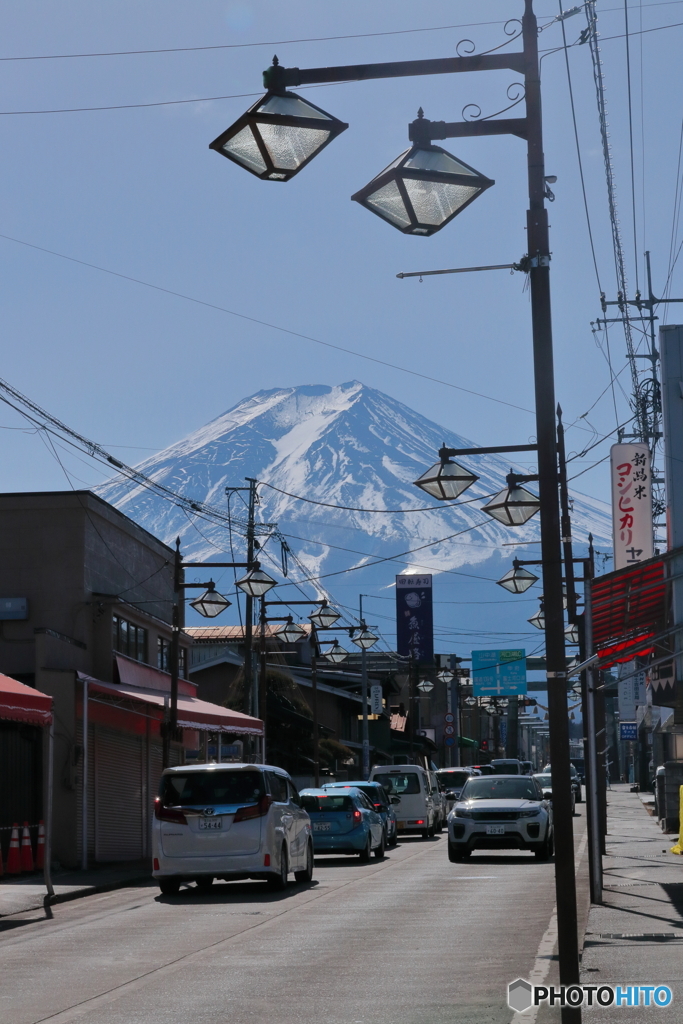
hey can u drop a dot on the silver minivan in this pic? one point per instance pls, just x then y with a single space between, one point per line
229 822
415 797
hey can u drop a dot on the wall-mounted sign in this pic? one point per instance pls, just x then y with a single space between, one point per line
631 504
414 624
376 705
628 730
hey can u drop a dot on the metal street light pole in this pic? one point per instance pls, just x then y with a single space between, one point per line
364 697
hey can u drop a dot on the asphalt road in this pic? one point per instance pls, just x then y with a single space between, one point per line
412 938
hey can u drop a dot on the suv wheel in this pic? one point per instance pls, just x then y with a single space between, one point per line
544 850
169 886
204 882
307 874
279 881
457 851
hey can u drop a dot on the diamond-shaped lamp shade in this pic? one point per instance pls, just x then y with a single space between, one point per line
538 620
278 136
571 633
445 675
210 603
324 617
513 506
470 701
422 190
256 583
365 639
291 632
446 480
517 580
426 685
335 653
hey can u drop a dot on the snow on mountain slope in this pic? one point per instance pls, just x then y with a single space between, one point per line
347 445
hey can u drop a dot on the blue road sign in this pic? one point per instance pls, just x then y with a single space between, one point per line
498 673
628 730
450 741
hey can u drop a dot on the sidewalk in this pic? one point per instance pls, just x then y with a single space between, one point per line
21 893
636 935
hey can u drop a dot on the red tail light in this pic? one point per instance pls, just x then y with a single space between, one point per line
357 817
168 813
378 807
254 810
156 864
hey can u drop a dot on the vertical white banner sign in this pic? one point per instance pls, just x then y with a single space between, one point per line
376 703
631 504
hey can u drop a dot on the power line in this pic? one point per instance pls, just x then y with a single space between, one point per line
630 137
385 511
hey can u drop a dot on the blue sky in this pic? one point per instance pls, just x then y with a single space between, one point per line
137 191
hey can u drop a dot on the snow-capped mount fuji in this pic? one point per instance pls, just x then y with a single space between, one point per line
347 445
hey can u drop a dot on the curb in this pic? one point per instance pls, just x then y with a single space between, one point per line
76 894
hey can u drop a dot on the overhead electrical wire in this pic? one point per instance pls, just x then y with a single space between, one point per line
385 511
630 138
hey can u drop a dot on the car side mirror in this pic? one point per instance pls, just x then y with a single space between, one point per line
395 800
451 795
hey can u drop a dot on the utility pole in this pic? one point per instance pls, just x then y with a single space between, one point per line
364 697
251 701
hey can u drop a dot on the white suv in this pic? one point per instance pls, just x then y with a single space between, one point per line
229 821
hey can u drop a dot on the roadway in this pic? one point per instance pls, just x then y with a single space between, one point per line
412 938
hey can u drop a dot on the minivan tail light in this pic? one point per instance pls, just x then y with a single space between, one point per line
163 813
357 817
254 810
378 807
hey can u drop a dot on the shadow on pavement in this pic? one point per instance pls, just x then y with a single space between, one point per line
245 891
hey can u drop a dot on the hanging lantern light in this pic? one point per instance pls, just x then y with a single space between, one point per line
518 579
470 701
426 685
503 702
278 135
571 633
445 480
364 639
514 505
291 632
335 653
424 188
324 617
538 620
257 582
445 675
210 603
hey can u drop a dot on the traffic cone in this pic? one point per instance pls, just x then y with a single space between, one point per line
14 857
26 850
40 847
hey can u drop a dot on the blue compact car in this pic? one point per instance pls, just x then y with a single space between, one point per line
379 799
344 821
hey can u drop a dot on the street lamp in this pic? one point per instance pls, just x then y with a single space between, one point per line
256 583
335 653
210 603
470 701
324 617
445 675
365 639
426 685
278 135
571 633
446 479
514 505
538 620
518 579
291 632
424 188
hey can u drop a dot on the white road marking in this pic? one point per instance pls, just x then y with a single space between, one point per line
539 972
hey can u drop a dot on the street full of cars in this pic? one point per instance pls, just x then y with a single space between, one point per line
247 821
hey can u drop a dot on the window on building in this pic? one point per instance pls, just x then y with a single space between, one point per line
164 657
127 638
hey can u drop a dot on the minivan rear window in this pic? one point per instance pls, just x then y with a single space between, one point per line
328 804
211 787
452 780
400 784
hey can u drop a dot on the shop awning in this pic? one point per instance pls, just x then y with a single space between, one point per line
192 713
629 610
20 703
465 741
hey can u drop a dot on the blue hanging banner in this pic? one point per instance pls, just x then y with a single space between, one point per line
414 620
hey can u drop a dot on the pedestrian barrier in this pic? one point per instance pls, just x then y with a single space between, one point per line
26 850
14 856
678 848
40 847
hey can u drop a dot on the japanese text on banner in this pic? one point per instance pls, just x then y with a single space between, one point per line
631 504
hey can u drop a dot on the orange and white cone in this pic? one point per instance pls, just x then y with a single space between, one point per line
26 850
40 847
14 857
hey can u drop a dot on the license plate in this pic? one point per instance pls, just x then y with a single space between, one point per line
321 826
400 824
210 823
495 830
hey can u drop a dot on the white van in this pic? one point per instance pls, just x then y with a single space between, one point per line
415 798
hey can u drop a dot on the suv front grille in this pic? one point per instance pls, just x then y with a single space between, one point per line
494 815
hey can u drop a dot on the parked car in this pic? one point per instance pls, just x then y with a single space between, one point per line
545 781
439 798
576 781
501 812
411 791
580 765
229 822
451 781
484 769
344 821
380 801
506 766
527 767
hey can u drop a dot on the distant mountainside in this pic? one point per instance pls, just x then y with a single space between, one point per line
347 445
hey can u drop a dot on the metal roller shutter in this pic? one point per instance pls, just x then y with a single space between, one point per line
119 769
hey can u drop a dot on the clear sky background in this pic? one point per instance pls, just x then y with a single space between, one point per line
138 191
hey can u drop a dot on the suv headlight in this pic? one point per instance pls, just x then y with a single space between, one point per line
462 812
529 814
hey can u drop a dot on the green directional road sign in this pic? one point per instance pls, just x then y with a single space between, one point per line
498 673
